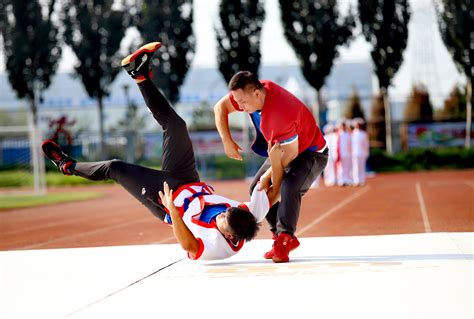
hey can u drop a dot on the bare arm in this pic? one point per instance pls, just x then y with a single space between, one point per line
182 233
280 157
277 173
290 152
222 109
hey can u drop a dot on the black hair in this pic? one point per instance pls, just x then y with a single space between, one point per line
244 80
243 223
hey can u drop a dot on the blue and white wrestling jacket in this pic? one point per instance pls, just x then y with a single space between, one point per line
198 206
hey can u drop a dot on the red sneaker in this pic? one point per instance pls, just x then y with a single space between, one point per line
294 243
54 153
138 64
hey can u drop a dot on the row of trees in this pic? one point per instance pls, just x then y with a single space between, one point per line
418 107
35 31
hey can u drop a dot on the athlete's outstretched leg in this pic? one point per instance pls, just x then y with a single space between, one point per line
141 182
178 155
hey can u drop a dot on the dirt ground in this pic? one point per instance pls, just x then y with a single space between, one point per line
440 201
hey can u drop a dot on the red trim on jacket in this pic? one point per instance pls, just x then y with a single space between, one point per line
200 250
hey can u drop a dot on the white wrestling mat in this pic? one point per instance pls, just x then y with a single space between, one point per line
392 276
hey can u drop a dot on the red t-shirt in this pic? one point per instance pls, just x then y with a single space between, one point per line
284 118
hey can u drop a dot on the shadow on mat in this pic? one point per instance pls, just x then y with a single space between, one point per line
375 258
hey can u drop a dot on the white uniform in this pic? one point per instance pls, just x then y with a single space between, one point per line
330 169
360 153
190 200
345 158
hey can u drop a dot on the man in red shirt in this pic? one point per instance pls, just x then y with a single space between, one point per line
279 117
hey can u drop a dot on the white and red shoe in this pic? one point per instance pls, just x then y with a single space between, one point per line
137 64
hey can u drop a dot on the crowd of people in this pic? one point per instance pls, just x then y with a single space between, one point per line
348 144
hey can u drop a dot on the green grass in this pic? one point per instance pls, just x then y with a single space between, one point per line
22 178
21 201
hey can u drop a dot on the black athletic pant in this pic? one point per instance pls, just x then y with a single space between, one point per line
299 175
179 166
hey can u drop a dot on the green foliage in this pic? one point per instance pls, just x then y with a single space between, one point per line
454 107
353 107
31 45
9 118
418 106
3 15
132 120
21 201
94 31
21 178
203 118
16 178
456 24
169 22
58 179
422 159
238 38
385 26
315 30
227 168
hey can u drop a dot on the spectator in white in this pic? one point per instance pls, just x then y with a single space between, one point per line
331 140
344 147
360 151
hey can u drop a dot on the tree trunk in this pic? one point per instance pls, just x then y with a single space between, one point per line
317 107
102 149
388 122
37 161
469 102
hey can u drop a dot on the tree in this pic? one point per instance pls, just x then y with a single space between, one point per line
315 30
32 49
202 118
376 126
129 126
456 24
353 107
385 26
238 38
3 15
169 22
32 54
418 106
94 31
454 106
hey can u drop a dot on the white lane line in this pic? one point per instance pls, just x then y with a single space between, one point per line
424 214
332 210
469 183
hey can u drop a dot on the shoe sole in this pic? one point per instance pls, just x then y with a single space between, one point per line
149 47
281 260
48 142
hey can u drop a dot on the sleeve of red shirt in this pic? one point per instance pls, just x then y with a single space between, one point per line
234 103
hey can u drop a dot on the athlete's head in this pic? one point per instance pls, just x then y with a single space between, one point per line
247 90
237 223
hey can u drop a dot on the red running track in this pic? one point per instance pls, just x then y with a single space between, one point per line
440 201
